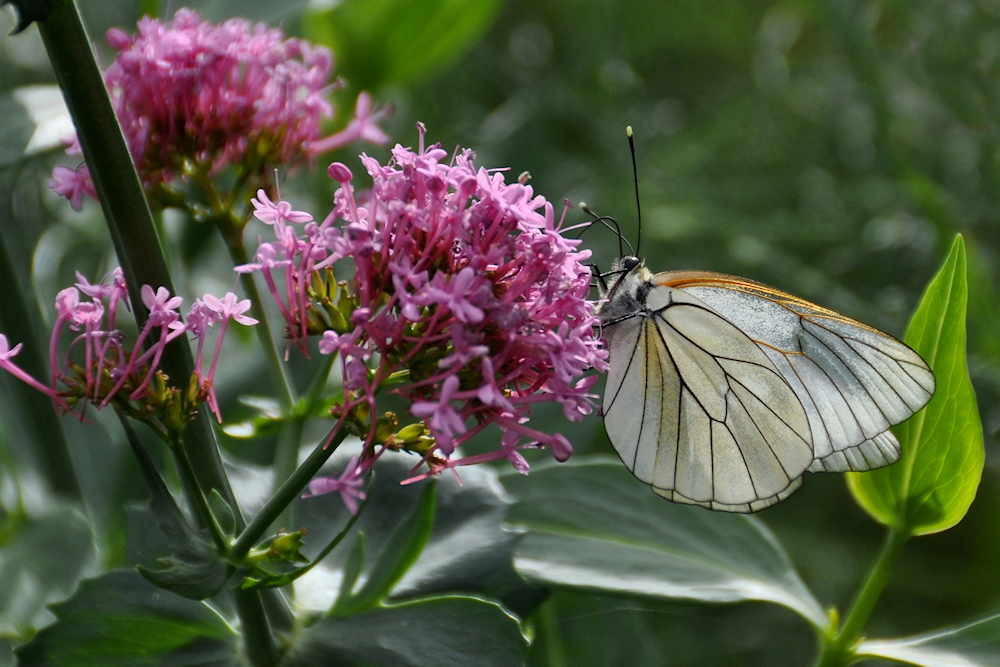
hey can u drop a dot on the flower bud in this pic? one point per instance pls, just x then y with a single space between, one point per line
339 172
285 547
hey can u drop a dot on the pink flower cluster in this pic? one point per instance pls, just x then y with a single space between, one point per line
189 92
104 370
467 300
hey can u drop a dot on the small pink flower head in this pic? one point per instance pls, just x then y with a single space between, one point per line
97 368
366 120
274 213
229 308
363 127
344 344
66 302
72 184
162 307
348 485
442 415
6 351
189 92
465 287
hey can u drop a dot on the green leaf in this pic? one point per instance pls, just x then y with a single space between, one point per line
121 619
592 526
455 560
397 556
353 567
16 132
381 42
932 486
193 569
223 513
973 645
41 560
447 630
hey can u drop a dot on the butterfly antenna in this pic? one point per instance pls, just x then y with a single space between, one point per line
635 179
611 224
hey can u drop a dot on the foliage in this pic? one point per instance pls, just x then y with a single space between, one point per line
834 150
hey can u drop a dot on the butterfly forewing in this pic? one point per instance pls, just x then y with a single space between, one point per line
853 381
697 410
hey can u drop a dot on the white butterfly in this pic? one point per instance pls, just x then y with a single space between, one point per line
723 391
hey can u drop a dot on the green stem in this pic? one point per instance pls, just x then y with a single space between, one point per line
256 630
286 457
195 495
133 234
286 454
123 201
286 451
555 653
840 650
285 495
292 576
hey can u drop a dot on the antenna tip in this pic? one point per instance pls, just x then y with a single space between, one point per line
628 131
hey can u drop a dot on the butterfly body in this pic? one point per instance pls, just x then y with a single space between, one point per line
722 391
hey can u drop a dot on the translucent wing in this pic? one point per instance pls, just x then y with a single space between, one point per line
697 410
853 381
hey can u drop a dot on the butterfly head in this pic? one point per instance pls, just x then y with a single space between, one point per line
628 263
626 296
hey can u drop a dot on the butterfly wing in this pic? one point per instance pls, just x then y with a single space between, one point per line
853 381
697 410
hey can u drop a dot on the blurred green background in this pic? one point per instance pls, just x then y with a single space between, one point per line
831 149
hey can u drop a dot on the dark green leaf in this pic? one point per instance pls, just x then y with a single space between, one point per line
932 486
269 418
17 130
468 552
353 566
193 568
397 556
591 525
122 620
973 645
41 560
382 42
223 513
444 631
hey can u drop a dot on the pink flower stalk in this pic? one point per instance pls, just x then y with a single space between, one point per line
97 368
222 310
7 353
466 300
194 95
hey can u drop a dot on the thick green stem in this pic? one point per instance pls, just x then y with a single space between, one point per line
257 636
133 234
195 496
123 201
839 651
285 495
